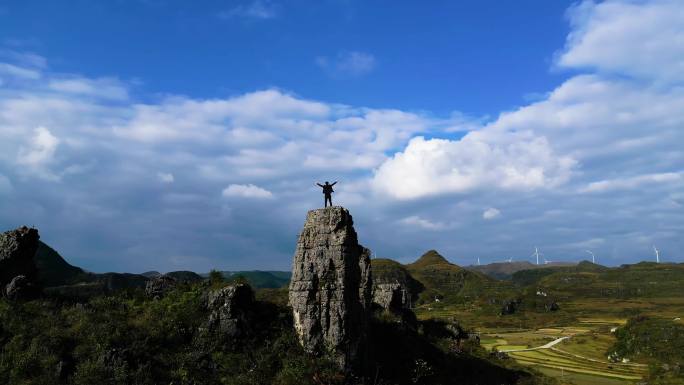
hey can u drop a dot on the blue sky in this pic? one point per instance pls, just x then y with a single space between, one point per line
165 135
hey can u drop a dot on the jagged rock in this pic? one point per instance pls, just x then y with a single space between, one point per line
231 310
391 296
159 286
330 290
20 288
17 248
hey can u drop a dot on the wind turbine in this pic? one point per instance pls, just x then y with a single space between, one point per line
536 254
657 253
478 261
593 258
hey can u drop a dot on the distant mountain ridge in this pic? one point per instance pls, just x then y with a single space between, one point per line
505 270
270 279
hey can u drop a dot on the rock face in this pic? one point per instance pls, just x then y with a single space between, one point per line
231 310
330 290
17 248
391 296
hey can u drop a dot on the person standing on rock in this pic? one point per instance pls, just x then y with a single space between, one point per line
327 191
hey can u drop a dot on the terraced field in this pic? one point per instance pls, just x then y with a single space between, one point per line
579 359
557 359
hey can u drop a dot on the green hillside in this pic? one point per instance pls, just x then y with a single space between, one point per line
450 282
53 270
535 275
657 341
641 280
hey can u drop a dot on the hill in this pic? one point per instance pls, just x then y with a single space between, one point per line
505 270
533 276
445 280
53 270
259 279
641 280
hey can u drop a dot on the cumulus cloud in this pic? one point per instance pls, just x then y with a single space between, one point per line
247 191
491 213
350 63
40 150
643 39
511 161
598 157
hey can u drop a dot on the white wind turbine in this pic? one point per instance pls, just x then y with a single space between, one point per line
657 253
536 254
478 261
593 258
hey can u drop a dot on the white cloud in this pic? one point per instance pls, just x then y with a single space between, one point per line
18 72
644 39
595 131
29 59
416 221
247 191
165 177
104 87
482 159
351 63
491 213
633 182
41 148
256 9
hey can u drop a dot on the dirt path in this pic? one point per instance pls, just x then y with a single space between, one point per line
546 346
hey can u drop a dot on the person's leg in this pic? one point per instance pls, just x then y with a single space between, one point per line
328 198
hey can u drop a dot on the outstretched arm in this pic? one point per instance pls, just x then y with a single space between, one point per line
319 185
334 183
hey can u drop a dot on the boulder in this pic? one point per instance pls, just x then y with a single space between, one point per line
331 289
17 249
231 310
20 288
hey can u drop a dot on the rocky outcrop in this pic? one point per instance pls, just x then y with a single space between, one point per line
17 248
231 310
20 288
391 296
394 288
330 290
159 286
17 266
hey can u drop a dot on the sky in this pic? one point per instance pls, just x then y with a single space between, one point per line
167 135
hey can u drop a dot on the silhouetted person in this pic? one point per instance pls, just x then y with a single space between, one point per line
327 191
